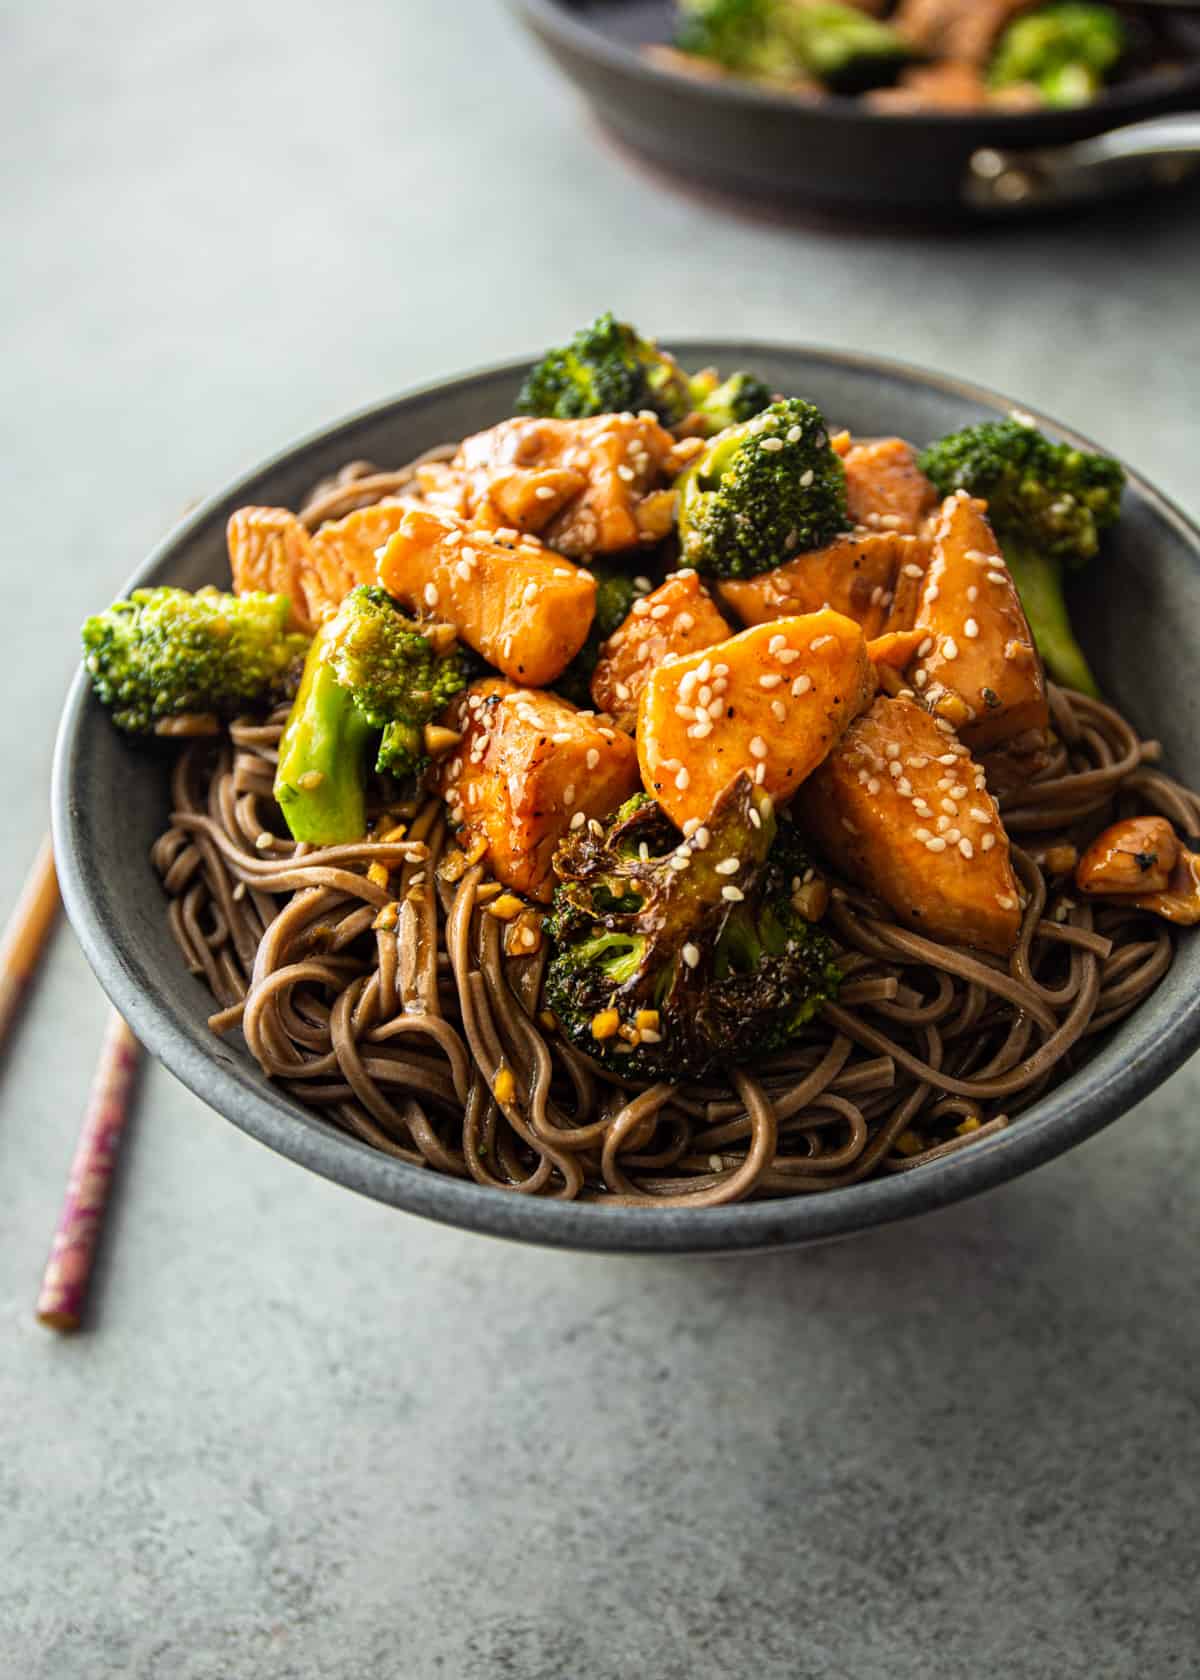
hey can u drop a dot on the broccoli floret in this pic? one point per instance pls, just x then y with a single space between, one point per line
761 492
166 651
1067 52
723 403
610 368
655 971
1048 504
616 591
780 40
371 675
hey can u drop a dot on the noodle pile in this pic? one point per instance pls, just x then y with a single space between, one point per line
423 1037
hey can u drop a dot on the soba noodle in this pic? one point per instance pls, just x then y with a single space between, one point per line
396 1030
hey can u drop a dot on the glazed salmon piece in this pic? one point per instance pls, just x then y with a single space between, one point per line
771 701
678 618
978 666
885 487
525 609
856 574
270 549
901 808
530 766
579 483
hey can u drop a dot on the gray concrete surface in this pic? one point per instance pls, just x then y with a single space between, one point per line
307 1437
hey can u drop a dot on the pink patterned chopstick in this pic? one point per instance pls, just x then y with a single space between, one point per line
68 1271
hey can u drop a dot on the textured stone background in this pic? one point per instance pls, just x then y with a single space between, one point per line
310 1438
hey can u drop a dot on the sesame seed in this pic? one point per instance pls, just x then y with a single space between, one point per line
935 845
958 791
913 571
701 729
758 747
873 784
701 838
691 956
431 595
979 813
801 686
569 794
966 848
949 648
818 642
788 656
626 474
779 711
643 583
721 670
704 670
920 677
760 775
921 808
728 866
932 592
904 788
621 690
772 680
684 621
1006 901
755 819
715 709
679 861
950 808
987 842
578 820
895 770
732 895
973 592
774 645
544 493
795 433
593 757
806 478
947 758
772 444
877 595
681 780
561 737
971 629
997 577
943 726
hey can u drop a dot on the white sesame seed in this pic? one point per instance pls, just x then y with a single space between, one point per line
431 595
779 711
979 813
949 648
561 737
795 433
945 727
728 866
788 656
921 808
684 621
578 820
986 843
569 794
971 629
895 770
776 642
716 708
922 834
877 595
704 670
818 642
932 592
873 784
904 788
772 680
935 845
755 819
593 757
544 493
679 861
760 775
920 677
701 838
681 780
950 808
958 791
806 478
660 611
626 474
758 747
801 686
997 577
732 895
691 956
966 848
1006 901
771 445
913 571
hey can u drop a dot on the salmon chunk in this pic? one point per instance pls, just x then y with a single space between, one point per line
678 618
270 549
771 701
528 768
578 483
860 576
885 488
525 609
978 666
901 808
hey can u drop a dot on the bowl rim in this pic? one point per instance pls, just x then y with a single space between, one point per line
1091 1099
556 19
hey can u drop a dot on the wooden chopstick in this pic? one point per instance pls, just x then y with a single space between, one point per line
63 1294
32 918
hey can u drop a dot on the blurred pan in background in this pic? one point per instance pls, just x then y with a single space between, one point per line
840 153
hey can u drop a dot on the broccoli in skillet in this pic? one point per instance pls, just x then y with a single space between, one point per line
369 669
783 40
761 492
609 368
166 651
616 591
1066 51
666 963
1048 504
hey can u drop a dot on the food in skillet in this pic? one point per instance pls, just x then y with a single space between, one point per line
912 55
671 802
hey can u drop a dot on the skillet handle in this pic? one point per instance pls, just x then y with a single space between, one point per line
1159 152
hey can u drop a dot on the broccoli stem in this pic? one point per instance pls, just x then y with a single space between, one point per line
324 755
1039 583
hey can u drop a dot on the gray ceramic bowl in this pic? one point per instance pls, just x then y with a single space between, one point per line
111 798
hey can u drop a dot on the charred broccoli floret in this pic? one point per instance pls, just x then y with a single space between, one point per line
371 675
1048 504
1067 51
664 962
166 651
780 40
761 492
616 591
610 368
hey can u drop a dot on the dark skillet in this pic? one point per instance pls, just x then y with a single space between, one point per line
111 800
839 153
